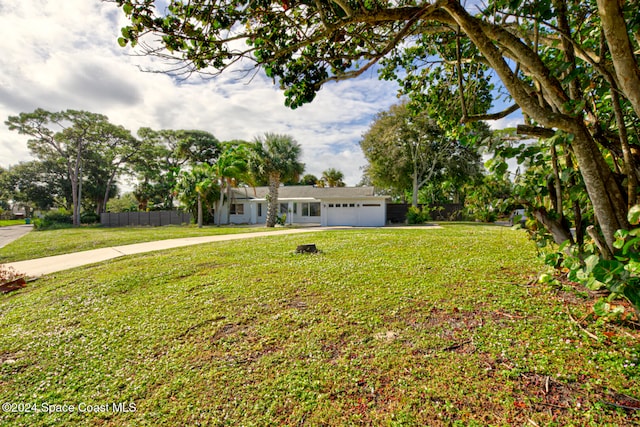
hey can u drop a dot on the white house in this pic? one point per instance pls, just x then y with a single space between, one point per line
306 204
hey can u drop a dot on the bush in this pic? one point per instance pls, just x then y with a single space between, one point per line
415 215
486 215
620 275
89 218
282 219
55 219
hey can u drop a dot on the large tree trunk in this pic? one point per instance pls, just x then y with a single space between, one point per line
608 202
414 198
615 31
557 227
74 198
272 203
106 193
605 194
229 200
220 203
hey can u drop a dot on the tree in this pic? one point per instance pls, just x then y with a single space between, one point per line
333 178
197 146
309 179
37 185
67 138
198 190
5 190
275 158
157 165
161 157
118 150
124 203
230 168
488 197
569 66
407 151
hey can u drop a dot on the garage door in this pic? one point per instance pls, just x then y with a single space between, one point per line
342 214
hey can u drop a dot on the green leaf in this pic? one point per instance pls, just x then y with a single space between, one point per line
608 270
601 307
632 293
633 267
590 262
634 214
127 8
122 41
631 244
621 234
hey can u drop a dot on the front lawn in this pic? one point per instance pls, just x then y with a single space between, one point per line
383 327
39 244
8 222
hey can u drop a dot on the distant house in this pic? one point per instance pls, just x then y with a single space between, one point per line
306 204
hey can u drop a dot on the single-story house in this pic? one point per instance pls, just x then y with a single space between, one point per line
306 204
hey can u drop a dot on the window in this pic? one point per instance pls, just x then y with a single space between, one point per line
352 205
371 204
237 209
259 209
311 209
284 208
314 209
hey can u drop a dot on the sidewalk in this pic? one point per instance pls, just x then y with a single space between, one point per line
41 266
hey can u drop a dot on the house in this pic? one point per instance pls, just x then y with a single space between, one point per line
306 204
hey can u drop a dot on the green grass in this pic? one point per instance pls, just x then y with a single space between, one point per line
39 244
7 222
383 327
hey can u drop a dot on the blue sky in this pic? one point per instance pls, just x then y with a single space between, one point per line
64 55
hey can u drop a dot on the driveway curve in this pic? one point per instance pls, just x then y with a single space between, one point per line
13 232
38 267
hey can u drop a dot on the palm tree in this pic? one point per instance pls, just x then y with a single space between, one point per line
333 178
198 187
230 167
275 158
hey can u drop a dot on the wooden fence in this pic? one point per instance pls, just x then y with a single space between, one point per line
153 218
397 212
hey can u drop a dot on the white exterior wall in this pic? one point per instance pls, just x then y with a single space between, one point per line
299 218
369 212
244 218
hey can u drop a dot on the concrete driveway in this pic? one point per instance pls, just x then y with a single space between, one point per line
13 232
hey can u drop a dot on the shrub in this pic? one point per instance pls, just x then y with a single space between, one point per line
486 215
282 219
415 215
620 275
55 219
89 218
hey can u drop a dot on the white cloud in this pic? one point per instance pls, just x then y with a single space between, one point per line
511 121
64 55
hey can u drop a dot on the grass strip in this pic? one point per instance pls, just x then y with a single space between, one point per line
38 244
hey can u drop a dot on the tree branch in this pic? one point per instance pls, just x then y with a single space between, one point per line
493 116
538 131
615 30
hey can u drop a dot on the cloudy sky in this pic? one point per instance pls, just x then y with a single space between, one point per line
60 55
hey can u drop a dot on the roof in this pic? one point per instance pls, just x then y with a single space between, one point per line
308 192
